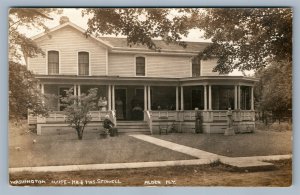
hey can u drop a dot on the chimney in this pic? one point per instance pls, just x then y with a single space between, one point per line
64 19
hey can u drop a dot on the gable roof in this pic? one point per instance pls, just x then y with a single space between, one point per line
115 43
121 43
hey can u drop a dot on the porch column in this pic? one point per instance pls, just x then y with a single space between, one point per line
75 89
145 98
113 97
43 92
235 97
42 88
209 98
79 90
239 97
177 103
181 98
149 98
109 97
252 98
205 97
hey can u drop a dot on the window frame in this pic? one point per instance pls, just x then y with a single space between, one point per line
199 64
135 65
47 61
89 54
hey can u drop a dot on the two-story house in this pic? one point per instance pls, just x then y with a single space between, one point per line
139 86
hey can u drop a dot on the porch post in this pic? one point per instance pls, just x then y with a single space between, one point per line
42 88
209 98
75 89
235 97
177 103
181 98
252 98
149 98
239 97
205 97
109 97
113 97
79 90
145 98
43 92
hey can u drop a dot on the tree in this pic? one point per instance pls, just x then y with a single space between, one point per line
77 109
140 25
242 38
23 92
248 38
274 89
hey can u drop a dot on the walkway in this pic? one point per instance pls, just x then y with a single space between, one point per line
204 157
237 162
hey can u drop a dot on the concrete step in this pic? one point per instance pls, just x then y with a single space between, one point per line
133 127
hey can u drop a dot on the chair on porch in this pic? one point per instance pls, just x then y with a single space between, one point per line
163 124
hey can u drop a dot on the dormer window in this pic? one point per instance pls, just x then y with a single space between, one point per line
140 66
83 63
53 62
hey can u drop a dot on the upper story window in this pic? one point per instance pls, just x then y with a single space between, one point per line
53 62
196 67
83 63
140 66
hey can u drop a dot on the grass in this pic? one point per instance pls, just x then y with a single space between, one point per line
65 149
215 174
260 143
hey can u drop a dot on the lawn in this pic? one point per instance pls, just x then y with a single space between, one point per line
65 149
202 175
260 143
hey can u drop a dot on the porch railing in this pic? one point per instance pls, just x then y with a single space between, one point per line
186 115
170 114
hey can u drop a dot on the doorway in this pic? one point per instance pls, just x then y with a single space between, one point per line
120 103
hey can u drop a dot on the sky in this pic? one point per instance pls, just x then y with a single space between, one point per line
75 17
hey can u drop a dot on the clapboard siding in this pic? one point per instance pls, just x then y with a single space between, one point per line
121 64
69 42
207 67
168 66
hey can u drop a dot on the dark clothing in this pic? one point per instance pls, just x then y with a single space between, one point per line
107 124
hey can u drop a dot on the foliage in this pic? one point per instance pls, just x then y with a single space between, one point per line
274 89
243 38
23 93
78 108
248 38
140 25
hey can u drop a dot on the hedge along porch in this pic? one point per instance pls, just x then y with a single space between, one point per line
178 99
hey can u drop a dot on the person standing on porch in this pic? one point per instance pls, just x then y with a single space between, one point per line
119 108
104 108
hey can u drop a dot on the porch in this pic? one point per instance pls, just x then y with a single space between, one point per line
177 101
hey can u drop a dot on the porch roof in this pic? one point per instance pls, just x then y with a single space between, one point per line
159 81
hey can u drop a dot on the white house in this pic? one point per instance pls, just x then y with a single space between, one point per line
141 85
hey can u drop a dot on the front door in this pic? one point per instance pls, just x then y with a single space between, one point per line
197 99
120 103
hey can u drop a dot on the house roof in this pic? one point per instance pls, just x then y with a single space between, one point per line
121 43
118 44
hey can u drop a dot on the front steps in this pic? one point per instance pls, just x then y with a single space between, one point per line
133 127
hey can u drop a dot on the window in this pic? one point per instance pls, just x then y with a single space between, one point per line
53 62
140 66
196 67
83 63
